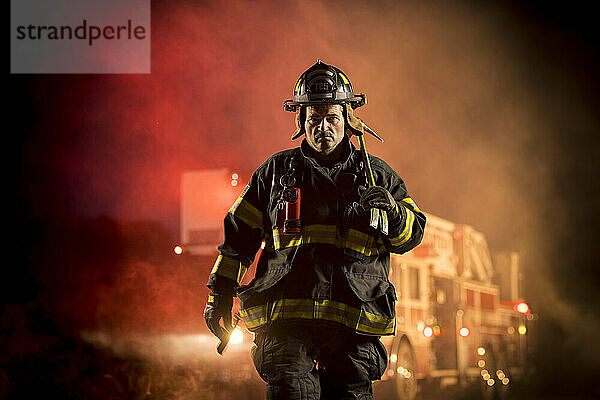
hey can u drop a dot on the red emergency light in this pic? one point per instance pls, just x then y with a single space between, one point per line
428 331
522 307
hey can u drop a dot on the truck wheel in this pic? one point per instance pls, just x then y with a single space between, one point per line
405 381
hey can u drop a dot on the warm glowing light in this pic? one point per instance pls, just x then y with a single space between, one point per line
522 329
178 249
428 331
420 326
481 351
505 381
234 176
464 331
500 374
483 372
491 382
233 182
522 307
237 336
437 330
393 358
510 330
407 374
486 376
481 363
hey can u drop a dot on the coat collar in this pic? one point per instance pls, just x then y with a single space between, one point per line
348 149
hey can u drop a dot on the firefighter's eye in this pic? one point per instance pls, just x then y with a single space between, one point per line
314 120
333 120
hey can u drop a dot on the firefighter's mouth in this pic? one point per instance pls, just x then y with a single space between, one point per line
323 137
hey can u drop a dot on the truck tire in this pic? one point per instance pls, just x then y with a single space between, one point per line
405 381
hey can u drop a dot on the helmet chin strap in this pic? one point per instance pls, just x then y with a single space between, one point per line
299 128
379 218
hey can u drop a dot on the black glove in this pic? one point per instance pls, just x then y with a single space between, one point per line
377 197
219 306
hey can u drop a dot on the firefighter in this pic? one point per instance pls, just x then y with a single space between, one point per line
320 299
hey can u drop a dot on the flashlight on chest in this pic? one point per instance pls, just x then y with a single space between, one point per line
288 206
291 198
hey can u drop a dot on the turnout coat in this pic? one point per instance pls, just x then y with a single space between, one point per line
335 269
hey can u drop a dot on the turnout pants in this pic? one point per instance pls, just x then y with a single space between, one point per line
307 362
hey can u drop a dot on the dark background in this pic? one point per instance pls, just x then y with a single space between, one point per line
489 111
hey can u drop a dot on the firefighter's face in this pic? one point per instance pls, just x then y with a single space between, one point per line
324 126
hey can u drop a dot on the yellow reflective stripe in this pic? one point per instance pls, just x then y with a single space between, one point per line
336 311
245 211
359 320
364 243
253 312
411 202
297 84
230 268
280 240
254 317
327 234
291 308
241 273
211 298
225 266
375 324
346 81
359 241
322 234
360 236
406 233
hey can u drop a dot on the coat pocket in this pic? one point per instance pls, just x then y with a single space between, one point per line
264 282
357 244
367 287
385 305
377 294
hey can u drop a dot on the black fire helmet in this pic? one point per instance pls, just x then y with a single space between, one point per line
324 84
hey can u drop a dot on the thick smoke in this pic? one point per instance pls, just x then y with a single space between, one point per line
486 126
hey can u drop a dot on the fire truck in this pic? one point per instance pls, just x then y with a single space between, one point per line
460 314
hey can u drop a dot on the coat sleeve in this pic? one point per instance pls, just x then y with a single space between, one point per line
244 231
406 230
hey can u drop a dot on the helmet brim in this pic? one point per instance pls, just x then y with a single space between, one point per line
292 106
